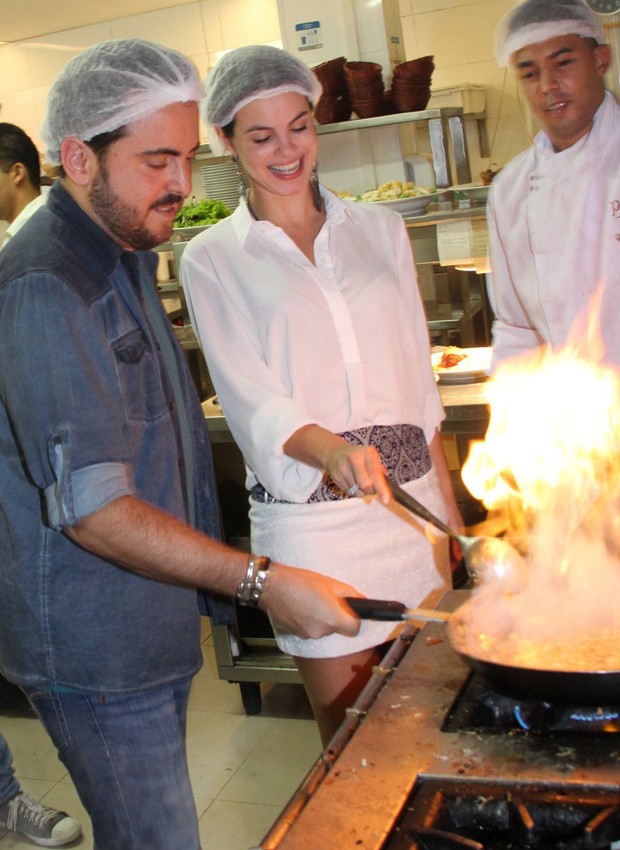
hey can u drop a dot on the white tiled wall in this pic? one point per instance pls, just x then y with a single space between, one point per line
458 33
201 30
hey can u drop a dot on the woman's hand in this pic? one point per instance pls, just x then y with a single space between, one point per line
358 470
355 469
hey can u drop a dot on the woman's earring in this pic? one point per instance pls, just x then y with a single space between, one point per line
317 200
241 185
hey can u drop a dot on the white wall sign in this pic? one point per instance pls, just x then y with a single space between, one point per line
308 35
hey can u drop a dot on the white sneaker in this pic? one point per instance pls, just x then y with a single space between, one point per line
46 827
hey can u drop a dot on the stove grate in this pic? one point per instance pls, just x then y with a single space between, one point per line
445 815
478 708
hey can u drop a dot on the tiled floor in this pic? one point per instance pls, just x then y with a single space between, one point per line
244 769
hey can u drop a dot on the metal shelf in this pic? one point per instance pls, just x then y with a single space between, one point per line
446 132
386 120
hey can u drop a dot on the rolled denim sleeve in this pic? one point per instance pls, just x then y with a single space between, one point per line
76 494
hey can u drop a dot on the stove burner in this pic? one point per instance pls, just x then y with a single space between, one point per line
477 707
442 815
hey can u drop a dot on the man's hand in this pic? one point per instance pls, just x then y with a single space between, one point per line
308 604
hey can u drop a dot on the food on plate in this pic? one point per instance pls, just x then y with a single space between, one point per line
198 213
451 357
394 191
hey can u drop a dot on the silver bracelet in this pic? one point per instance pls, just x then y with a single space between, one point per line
250 590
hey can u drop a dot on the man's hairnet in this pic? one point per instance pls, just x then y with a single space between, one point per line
252 73
111 85
539 20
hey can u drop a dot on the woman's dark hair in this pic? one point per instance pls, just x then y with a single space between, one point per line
229 129
17 146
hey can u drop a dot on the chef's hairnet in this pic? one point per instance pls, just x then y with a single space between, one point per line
539 20
252 73
111 85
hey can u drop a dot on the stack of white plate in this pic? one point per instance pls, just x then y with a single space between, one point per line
220 181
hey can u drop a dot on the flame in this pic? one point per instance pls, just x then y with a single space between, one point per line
549 466
553 435
548 471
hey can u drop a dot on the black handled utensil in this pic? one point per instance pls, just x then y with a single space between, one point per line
387 609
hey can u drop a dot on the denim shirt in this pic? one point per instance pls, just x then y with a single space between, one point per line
87 414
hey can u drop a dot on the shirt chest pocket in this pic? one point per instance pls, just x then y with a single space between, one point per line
140 377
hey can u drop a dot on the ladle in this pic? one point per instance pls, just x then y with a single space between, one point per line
487 559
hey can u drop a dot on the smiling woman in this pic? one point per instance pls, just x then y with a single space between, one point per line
307 310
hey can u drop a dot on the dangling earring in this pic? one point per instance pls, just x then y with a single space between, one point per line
317 200
241 185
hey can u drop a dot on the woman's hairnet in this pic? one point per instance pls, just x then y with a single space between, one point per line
251 73
539 20
111 85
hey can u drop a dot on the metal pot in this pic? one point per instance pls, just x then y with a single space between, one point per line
571 688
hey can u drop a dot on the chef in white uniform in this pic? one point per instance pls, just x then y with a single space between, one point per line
20 179
554 211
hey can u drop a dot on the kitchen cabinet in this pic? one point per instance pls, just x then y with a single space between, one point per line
455 299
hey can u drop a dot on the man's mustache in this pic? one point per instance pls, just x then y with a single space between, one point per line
167 200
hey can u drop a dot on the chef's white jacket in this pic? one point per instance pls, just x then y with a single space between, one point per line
554 230
343 343
20 220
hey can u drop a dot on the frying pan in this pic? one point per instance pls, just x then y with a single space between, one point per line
595 688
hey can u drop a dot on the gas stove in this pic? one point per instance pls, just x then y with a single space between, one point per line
435 760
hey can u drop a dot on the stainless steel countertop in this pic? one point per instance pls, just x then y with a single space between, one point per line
465 406
400 739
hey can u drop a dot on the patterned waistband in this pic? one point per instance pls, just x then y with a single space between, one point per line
403 450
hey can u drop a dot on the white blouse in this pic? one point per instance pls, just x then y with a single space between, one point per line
343 343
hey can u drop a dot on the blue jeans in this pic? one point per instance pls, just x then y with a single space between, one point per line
127 758
9 786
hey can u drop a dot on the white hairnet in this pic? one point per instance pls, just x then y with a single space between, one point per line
539 20
252 73
111 85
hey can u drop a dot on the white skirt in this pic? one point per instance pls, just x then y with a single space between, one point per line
385 553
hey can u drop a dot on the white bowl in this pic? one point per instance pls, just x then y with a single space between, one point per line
472 191
408 206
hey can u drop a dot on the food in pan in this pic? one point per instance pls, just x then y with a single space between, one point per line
451 357
589 652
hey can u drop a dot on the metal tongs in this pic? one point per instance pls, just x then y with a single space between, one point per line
487 559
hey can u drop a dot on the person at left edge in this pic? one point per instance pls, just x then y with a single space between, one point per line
20 198
104 457
20 179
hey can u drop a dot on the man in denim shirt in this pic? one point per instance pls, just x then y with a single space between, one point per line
104 458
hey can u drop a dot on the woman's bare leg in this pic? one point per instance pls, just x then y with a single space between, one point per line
333 684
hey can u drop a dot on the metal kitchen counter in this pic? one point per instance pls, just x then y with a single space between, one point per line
398 738
466 408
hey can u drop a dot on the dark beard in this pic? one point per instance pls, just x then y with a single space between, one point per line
120 219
